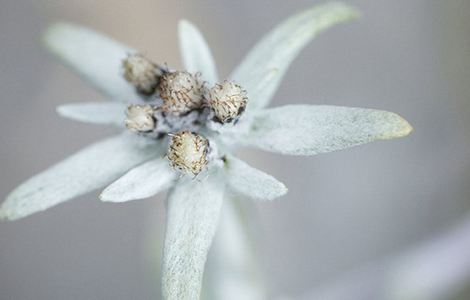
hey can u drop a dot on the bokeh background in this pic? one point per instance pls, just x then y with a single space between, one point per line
344 210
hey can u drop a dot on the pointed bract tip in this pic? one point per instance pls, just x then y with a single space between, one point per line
349 10
397 127
103 197
286 189
49 36
184 24
408 129
7 214
404 127
283 191
3 215
62 111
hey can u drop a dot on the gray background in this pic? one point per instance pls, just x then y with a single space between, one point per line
343 209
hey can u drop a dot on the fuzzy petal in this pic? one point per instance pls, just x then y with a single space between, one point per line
314 129
87 170
281 46
193 212
141 182
95 57
251 182
197 56
106 113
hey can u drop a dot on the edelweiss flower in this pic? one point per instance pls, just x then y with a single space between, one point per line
197 138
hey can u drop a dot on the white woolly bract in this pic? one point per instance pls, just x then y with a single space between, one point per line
94 56
105 113
250 182
193 211
141 182
315 129
195 52
277 49
89 169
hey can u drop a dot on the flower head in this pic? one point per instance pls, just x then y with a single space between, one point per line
188 152
181 92
173 111
140 118
141 73
227 101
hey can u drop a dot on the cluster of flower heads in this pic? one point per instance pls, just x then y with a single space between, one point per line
178 107
180 104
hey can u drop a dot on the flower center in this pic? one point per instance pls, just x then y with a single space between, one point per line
141 73
178 104
188 152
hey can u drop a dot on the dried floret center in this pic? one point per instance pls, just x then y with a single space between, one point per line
181 92
188 152
141 73
227 100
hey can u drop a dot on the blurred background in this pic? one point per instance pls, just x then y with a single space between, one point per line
344 210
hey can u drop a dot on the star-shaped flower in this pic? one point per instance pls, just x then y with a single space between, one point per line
182 123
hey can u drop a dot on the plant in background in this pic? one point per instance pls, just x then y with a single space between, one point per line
181 128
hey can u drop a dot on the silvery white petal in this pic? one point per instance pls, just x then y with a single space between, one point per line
141 182
280 47
86 170
95 57
197 56
251 182
314 129
192 216
106 113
